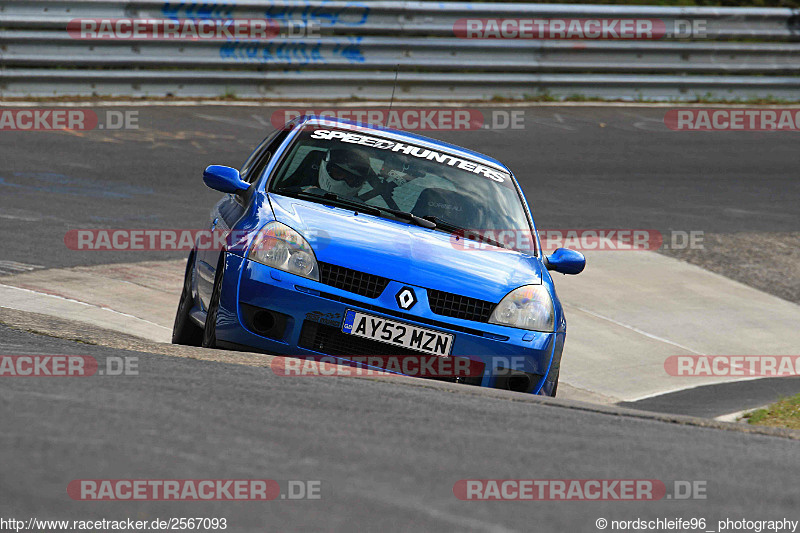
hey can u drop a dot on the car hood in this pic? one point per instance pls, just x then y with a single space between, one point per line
405 252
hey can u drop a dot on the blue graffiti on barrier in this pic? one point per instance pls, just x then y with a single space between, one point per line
198 10
326 13
293 53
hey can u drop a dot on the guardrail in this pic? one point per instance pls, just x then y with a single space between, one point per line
740 53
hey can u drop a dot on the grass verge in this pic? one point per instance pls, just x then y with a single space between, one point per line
783 414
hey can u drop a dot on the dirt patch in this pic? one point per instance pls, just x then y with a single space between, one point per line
769 262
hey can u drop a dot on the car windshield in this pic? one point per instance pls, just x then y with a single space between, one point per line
356 166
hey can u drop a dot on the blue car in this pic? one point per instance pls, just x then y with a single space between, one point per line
365 244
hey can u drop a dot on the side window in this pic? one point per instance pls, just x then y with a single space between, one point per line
254 157
267 148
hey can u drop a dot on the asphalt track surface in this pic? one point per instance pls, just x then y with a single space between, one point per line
711 401
580 167
387 455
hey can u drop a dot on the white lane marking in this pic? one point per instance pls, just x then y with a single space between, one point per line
457 521
9 395
734 417
661 339
83 303
634 328
228 120
23 218
558 123
261 120
9 267
22 350
690 387
14 349
667 341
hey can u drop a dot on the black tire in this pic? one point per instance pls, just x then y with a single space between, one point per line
554 386
210 329
184 330
550 387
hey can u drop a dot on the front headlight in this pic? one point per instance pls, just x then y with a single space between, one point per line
529 307
279 246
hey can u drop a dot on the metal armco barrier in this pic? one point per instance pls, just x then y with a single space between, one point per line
355 47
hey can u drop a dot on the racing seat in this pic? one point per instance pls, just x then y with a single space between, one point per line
307 172
452 206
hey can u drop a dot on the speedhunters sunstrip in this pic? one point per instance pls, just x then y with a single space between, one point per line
348 241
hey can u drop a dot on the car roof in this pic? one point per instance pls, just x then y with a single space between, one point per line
402 136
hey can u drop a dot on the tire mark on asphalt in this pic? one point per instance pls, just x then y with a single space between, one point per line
104 308
633 328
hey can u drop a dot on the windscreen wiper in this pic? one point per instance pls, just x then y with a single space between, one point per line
333 199
462 232
362 207
419 221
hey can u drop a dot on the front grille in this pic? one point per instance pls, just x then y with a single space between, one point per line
456 306
332 341
401 315
351 280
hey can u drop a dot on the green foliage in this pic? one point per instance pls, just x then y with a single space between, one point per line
784 414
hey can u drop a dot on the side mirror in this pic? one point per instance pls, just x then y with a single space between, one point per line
224 179
565 261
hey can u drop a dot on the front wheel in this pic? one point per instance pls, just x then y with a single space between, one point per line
210 329
550 387
184 330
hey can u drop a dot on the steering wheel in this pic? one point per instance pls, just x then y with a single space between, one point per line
383 188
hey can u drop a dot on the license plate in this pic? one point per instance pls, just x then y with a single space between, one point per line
398 333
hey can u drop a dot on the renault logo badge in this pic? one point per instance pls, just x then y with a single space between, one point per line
406 298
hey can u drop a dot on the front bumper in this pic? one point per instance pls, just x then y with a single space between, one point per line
302 302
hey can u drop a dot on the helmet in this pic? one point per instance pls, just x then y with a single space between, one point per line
343 172
400 168
394 168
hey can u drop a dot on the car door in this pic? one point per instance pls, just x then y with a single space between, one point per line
228 210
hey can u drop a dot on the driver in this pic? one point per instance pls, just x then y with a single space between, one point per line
343 172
